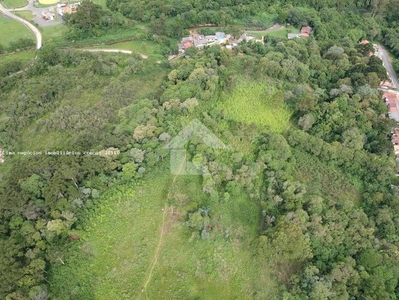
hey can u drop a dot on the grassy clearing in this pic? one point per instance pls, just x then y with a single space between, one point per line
151 50
114 259
281 33
11 31
26 14
53 33
14 3
258 103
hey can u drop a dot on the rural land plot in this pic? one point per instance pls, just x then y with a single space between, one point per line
123 242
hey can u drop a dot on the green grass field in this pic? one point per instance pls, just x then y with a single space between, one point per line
11 31
281 33
14 3
53 33
258 103
132 244
26 14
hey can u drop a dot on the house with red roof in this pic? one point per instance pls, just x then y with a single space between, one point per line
306 30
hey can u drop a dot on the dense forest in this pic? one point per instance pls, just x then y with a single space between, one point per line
309 176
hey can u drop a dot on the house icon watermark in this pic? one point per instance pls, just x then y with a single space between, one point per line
179 164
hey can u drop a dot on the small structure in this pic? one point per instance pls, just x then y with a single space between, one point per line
306 30
67 9
46 15
293 36
392 102
245 37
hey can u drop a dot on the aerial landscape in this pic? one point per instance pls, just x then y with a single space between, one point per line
199 150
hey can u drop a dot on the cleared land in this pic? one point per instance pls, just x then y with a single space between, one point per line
14 3
11 31
258 103
118 249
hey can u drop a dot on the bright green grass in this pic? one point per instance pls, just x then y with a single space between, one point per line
281 33
114 259
11 31
14 3
258 103
53 33
26 14
103 3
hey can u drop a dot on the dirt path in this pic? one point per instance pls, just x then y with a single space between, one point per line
160 241
108 50
36 31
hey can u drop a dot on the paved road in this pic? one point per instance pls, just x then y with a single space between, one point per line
388 66
36 31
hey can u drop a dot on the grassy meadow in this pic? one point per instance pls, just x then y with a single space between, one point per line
258 103
11 31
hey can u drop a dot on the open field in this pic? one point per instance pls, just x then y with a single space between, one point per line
149 49
258 103
26 14
11 31
121 257
53 33
14 3
281 33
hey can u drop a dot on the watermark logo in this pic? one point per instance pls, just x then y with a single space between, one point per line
179 164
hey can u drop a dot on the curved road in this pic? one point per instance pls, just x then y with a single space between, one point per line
36 31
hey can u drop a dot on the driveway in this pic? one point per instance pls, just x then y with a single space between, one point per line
388 66
36 31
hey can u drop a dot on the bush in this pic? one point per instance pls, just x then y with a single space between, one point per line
21 44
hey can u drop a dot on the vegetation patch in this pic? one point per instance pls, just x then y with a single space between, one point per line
258 103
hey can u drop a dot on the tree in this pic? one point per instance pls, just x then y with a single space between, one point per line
353 138
87 18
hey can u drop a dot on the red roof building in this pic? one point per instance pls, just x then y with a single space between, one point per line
306 30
